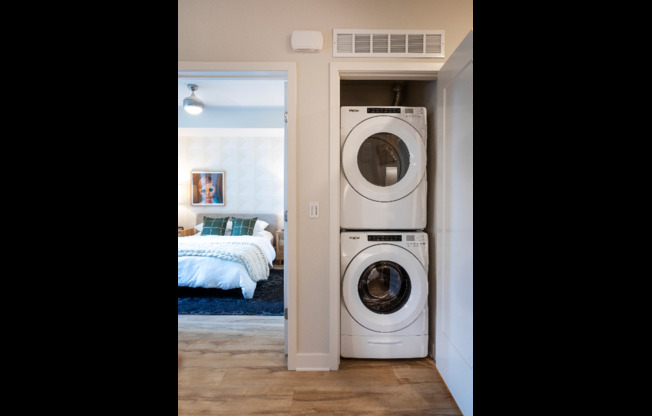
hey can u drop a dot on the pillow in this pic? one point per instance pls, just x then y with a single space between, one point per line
243 226
260 226
214 226
199 226
265 234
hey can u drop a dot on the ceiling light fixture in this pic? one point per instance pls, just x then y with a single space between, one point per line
192 104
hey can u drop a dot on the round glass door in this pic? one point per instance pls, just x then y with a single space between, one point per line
384 287
383 159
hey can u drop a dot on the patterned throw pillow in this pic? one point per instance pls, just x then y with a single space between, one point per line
242 226
214 226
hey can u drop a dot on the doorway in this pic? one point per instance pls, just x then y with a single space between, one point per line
285 72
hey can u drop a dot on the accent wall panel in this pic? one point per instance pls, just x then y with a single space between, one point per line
253 166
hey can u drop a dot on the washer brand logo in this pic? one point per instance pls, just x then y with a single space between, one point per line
354 237
353 110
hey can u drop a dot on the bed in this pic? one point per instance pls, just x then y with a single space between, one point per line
228 261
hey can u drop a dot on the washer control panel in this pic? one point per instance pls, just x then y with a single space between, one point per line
415 240
394 237
410 240
354 242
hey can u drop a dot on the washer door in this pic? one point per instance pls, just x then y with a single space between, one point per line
385 288
384 158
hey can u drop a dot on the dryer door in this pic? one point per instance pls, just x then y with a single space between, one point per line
385 288
384 158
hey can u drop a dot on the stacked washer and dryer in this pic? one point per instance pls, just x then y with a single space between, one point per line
384 250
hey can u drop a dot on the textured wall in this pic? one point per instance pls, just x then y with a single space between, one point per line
254 172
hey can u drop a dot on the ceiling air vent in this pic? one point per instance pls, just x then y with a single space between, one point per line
360 43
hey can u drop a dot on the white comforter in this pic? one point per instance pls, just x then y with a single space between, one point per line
212 272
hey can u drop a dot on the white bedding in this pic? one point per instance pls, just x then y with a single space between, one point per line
212 272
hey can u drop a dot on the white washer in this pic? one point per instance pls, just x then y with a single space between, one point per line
384 308
383 176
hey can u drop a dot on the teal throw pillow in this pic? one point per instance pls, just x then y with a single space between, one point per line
214 226
242 226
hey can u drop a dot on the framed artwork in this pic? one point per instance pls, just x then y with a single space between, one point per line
207 187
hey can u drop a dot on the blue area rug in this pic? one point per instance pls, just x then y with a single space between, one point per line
267 299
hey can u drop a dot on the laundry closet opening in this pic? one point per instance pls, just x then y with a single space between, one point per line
386 85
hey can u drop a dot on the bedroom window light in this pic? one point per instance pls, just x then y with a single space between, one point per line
192 104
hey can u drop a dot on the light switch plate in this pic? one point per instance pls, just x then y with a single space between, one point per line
314 210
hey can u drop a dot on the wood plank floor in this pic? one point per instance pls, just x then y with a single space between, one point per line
236 365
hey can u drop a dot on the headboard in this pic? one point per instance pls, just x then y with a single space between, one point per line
269 218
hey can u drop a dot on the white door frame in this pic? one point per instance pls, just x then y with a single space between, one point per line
363 71
258 69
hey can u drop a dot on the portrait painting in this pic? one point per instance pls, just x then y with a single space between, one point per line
207 187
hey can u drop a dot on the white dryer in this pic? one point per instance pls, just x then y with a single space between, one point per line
384 307
383 175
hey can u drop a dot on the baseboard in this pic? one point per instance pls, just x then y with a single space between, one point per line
313 362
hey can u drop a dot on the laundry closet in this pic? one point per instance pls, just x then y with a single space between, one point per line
384 208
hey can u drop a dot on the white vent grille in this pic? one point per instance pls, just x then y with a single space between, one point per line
362 43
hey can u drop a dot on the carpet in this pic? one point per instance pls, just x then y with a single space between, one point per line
267 299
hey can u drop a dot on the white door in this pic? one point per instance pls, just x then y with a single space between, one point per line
454 225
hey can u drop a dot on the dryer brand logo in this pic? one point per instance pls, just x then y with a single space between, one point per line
353 110
354 237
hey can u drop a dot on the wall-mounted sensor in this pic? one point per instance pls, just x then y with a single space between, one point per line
307 41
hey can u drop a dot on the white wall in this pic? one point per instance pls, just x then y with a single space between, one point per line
253 165
260 30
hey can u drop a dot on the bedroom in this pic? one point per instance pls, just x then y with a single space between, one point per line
238 140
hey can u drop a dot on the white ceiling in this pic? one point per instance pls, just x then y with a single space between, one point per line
222 92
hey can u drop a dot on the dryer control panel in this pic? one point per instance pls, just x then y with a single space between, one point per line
384 110
407 112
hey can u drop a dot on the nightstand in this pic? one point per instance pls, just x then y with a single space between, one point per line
185 233
280 246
